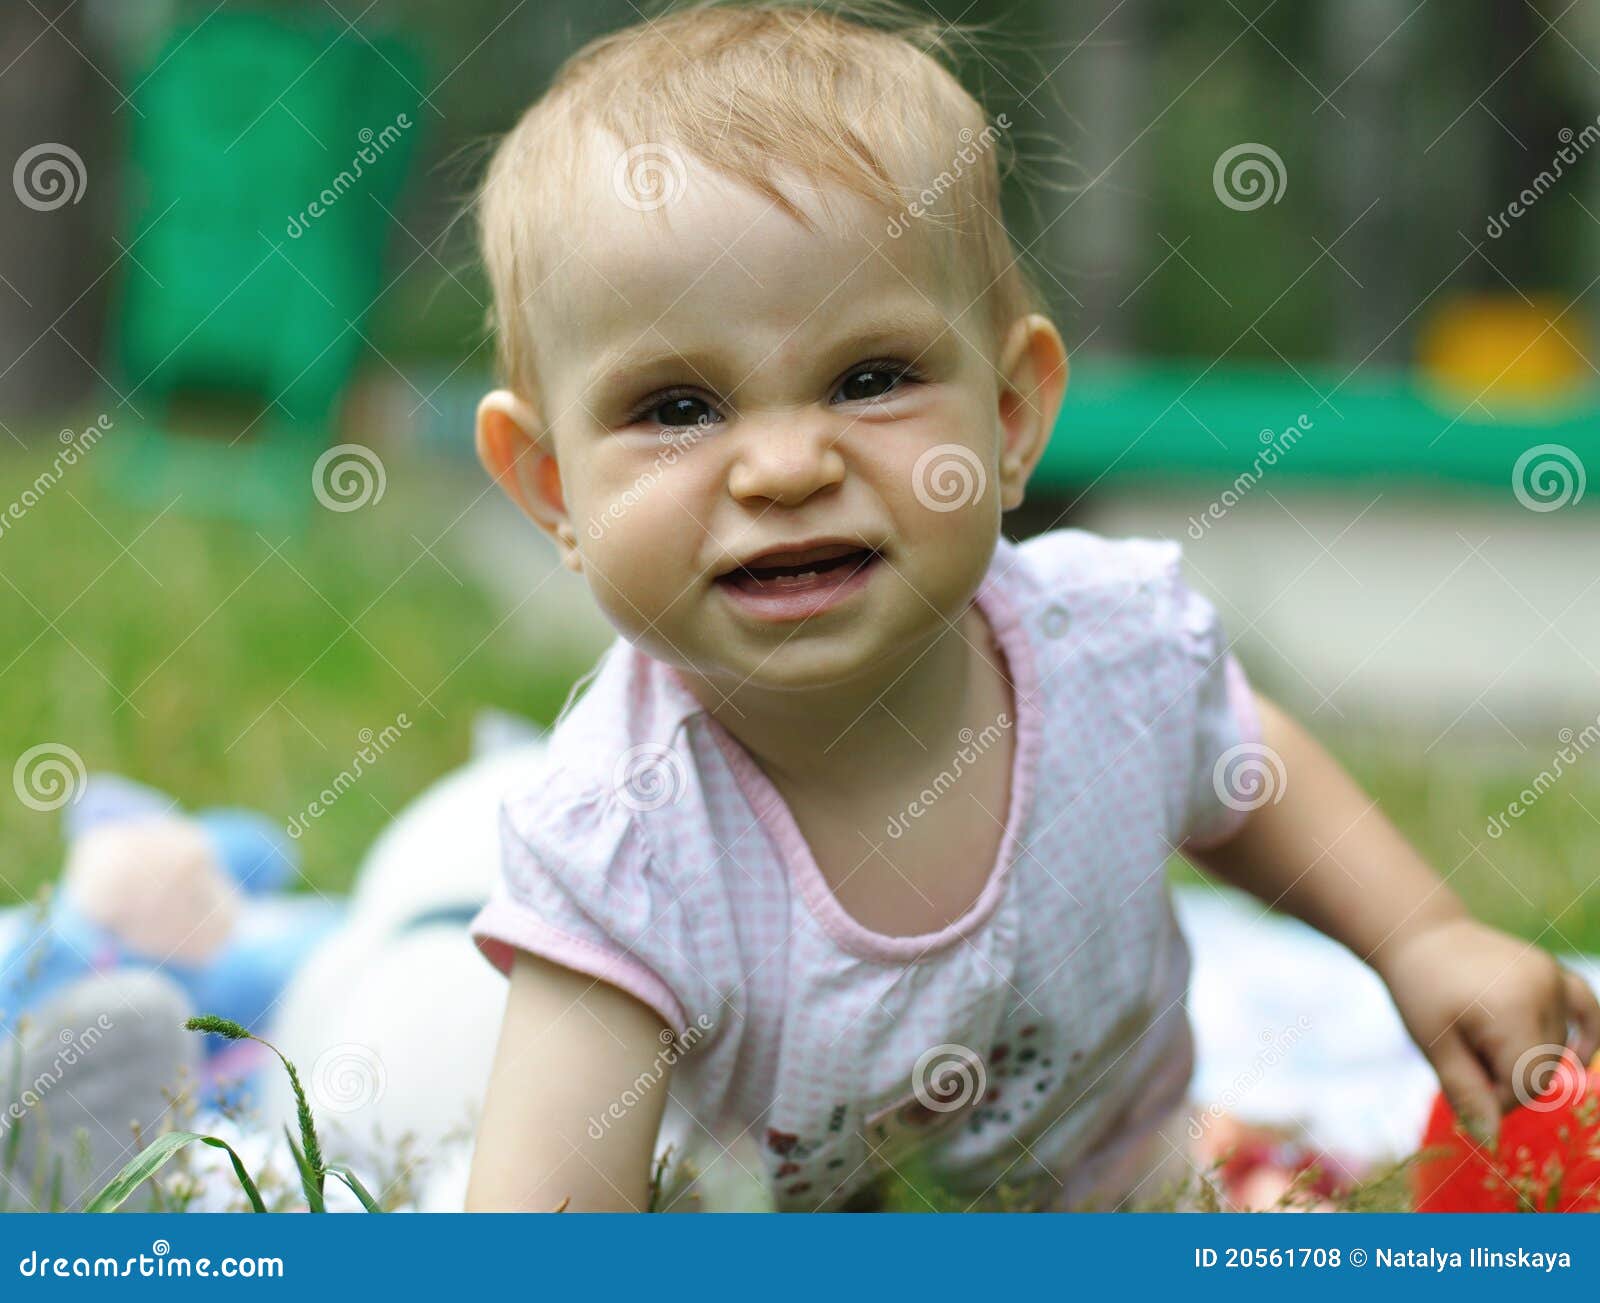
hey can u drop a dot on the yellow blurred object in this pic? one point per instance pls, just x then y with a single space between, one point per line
1502 346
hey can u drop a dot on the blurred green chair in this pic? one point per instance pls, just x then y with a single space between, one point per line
265 158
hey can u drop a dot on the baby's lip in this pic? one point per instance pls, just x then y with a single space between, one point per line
807 552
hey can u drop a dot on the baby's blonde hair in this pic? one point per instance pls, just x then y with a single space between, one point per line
852 93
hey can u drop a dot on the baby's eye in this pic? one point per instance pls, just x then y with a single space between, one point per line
873 380
675 411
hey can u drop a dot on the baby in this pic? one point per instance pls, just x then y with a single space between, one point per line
855 842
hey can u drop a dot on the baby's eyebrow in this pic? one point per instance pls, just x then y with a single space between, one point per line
917 326
620 365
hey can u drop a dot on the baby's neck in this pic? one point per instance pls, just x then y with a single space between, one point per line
873 729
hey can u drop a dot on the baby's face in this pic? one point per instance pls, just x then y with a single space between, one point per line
779 451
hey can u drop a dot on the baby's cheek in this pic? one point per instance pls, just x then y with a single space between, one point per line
638 554
953 549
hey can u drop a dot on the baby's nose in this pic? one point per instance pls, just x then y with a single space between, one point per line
785 465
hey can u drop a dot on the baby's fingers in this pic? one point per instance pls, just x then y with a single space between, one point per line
1583 1012
1523 1044
1466 1085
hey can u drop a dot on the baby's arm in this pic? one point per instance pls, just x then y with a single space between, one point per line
1475 1000
570 1046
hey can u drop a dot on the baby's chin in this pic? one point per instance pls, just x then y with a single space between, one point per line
804 660
804 664
865 654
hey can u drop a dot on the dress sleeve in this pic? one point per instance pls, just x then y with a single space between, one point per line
579 886
1227 771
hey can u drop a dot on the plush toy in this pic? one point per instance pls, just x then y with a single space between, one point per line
97 1060
147 887
1547 1158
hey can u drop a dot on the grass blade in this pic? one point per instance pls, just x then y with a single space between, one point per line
249 1186
14 1135
356 1188
150 1160
308 1178
13 1144
309 1158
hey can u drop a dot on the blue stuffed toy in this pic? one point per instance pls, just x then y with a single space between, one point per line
146 886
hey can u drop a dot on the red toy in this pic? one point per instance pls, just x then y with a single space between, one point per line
1547 1159
1258 1168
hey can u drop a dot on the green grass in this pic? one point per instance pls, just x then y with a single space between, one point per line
230 663
1538 880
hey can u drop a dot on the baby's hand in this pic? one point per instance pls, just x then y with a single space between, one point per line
1492 1014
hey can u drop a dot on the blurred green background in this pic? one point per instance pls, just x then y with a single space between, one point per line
152 619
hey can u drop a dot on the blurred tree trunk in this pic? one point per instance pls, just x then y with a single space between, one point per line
1585 34
1368 55
1086 210
52 251
1530 107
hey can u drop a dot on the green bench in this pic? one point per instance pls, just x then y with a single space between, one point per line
1169 420
263 156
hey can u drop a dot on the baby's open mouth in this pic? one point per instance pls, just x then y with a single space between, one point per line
795 569
792 584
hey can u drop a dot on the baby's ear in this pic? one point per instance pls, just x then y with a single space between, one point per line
513 448
1033 379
